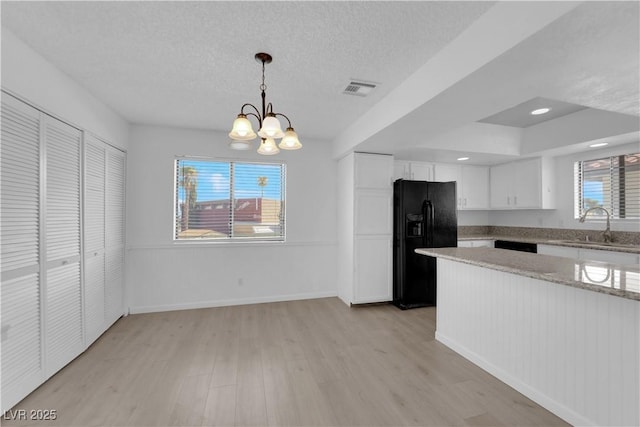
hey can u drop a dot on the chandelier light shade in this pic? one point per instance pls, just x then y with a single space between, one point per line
270 128
268 147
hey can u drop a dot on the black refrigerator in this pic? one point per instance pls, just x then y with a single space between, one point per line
424 216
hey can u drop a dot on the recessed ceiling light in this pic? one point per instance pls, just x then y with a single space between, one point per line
463 158
540 111
599 144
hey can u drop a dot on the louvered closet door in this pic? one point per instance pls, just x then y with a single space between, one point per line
63 306
21 352
115 234
94 237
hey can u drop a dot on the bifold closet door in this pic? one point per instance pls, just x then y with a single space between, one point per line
115 234
63 292
21 331
94 237
104 171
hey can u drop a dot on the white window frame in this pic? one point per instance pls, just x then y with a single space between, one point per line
281 238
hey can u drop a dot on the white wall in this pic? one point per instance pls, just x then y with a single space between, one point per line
563 217
31 77
165 275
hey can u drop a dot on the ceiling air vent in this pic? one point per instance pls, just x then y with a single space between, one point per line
359 88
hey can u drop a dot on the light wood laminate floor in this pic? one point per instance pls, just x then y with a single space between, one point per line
299 363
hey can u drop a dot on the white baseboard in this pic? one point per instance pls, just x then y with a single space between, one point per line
540 398
228 302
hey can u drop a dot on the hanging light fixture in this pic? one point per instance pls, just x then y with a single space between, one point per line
270 129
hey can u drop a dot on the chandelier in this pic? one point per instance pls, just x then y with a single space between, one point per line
270 129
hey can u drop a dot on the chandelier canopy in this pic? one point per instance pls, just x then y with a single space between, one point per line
270 128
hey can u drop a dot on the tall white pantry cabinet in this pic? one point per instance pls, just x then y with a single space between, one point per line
365 227
61 244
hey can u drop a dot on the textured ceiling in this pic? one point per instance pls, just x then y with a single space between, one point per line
190 64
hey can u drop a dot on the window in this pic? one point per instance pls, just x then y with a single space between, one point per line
610 182
229 200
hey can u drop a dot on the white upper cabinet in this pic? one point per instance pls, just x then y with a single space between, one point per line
472 184
373 171
526 184
414 171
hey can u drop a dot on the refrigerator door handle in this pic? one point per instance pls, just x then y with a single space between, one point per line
427 214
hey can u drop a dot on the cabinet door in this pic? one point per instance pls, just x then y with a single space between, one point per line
373 212
526 182
372 270
63 307
401 170
373 170
500 178
420 171
475 187
609 256
446 173
563 251
20 308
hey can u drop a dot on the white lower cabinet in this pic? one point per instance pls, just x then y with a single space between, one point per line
372 282
613 257
484 243
365 225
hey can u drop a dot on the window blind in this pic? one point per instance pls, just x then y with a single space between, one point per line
229 200
609 182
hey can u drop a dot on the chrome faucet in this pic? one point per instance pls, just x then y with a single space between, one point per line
607 232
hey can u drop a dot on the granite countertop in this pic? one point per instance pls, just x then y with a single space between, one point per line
614 247
613 279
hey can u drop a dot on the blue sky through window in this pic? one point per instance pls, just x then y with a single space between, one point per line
214 180
594 190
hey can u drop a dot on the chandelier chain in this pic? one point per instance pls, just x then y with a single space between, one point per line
263 86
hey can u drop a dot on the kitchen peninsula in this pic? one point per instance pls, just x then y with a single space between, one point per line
564 332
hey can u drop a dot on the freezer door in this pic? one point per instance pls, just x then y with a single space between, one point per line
442 196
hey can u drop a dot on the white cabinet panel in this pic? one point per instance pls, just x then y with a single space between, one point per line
475 187
446 172
563 251
609 256
365 227
373 170
373 281
472 184
500 178
475 243
526 184
414 171
373 212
